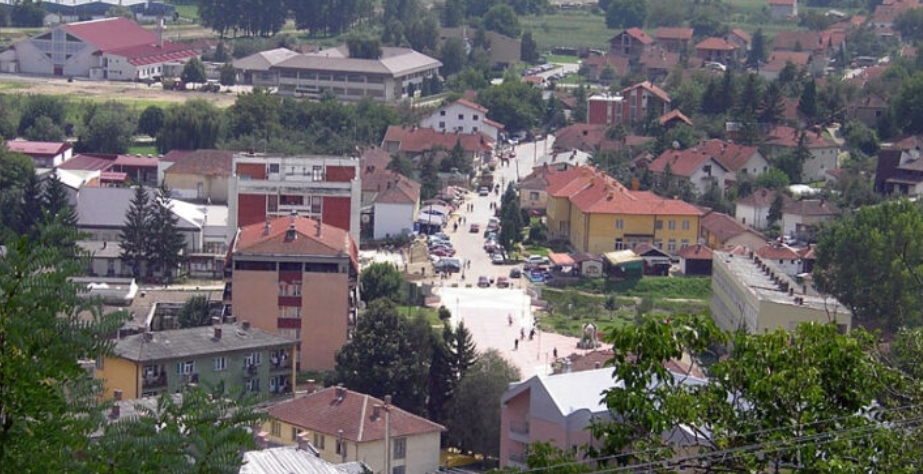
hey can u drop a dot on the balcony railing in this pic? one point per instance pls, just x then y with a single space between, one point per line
521 427
154 381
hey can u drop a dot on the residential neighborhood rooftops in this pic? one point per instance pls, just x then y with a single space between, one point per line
107 207
723 226
264 60
673 33
420 139
393 61
695 252
732 156
191 342
682 162
37 148
335 408
286 460
812 207
471 105
716 44
777 252
389 186
204 163
638 34
653 89
762 198
295 235
787 137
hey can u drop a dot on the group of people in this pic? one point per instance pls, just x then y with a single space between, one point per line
522 333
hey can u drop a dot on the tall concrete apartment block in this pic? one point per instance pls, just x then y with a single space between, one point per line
296 277
321 187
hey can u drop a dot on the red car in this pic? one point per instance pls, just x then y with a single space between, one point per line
475 228
503 282
442 252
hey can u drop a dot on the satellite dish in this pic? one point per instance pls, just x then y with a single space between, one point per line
675 145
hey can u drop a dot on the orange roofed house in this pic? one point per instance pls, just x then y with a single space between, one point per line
597 214
346 426
296 276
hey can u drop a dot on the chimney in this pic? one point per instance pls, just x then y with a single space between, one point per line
148 337
245 325
318 226
160 29
105 244
387 400
116 411
217 333
791 291
340 392
261 441
117 394
268 227
303 443
312 386
376 411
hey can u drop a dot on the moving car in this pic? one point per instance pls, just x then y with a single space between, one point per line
483 191
475 228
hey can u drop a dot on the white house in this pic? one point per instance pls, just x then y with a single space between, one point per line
753 210
801 218
43 154
699 167
106 49
462 116
824 152
390 203
784 257
740 160
783 8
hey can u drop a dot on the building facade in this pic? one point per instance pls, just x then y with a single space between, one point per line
321 187
754 295
345 426
296 277
240 356
462 116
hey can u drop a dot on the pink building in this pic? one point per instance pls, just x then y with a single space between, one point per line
632 103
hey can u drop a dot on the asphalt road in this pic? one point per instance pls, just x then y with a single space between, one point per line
487 312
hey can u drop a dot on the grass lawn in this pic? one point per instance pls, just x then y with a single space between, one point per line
562 59
431 314
188 11
575 28
142 150
696 288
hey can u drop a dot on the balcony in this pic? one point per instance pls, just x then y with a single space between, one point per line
518 460
154 381
519 431
250 370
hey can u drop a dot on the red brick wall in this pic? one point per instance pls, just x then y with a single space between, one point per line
341 174
251 209
336 212
254 170
596 112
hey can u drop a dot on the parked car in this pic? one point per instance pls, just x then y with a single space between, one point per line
497 258
515 272
483 191
538 260
442 252
483 282
450 265
475 228
502 282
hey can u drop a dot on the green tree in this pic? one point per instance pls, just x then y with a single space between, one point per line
791 162
502 19
528 52
195 312
27 14
807 104
453 56
859 137
757 53
401 165
456 159
202 432
48 405
772 107
773 178
580 96
166 242
16 170
429 178
774 216
119 11
255 113
379 360
453 13
511 223
908 108
151 121
44 130
56 205
193 72
29 215
472 424
193 125
381 280
515 104
884 287
108 130
625 13
135 235
363 46
227 74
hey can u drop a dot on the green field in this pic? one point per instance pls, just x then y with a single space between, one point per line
142 150
573 28
188 11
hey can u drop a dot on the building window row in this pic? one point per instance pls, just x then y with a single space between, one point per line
253 359
219 364
289 312
185 368
290 289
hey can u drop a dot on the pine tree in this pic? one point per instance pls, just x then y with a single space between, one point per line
29 214
808 102
56 204
167 242
771 107
757 49
136 233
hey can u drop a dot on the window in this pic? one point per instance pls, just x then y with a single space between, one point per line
318 173
318 441
289 312
658 243
686 224
253 385
671 245
474 130
619 245
341 447
442 125
400 448
619 224
533 195
253 359
707 169
461 116
295 433
219 364
442 113
658 224
398 470
185 368
316 202
276 429
684 243
672 224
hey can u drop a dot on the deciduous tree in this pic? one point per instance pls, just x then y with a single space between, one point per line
151 120
381 280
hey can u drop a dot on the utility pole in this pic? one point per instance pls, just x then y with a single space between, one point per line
387 409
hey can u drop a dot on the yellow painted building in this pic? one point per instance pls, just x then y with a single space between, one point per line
347 426
597 214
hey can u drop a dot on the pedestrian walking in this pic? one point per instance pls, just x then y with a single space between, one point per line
515 344
509 318
531 334
554 352
522 333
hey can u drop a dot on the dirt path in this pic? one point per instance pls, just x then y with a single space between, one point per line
131 92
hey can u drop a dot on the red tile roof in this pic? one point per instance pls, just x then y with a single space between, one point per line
807 40
89 162
37 148
174 156
716 44
332 241
153 54
375 156
723 226
741 34
619 63
204 163
674 115
763 198
640 35
696 252
778 59
787 137
136 160
811 207
659 59
594 192
592 138
354 414
646 85
111 33
673 33
682 162
777 252
732 156
390 186
418 140
471 105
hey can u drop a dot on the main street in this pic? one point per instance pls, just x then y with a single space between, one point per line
487 312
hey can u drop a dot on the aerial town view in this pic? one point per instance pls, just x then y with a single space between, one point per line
461 236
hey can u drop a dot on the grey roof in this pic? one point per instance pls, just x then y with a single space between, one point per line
264 60
393 62
101 249
291 460
107 207
193 342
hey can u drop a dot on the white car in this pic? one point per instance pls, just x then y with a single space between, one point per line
538 260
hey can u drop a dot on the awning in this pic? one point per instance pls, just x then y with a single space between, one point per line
622 257
561 259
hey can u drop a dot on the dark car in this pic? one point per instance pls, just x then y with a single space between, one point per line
475 228
515 272
483 282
